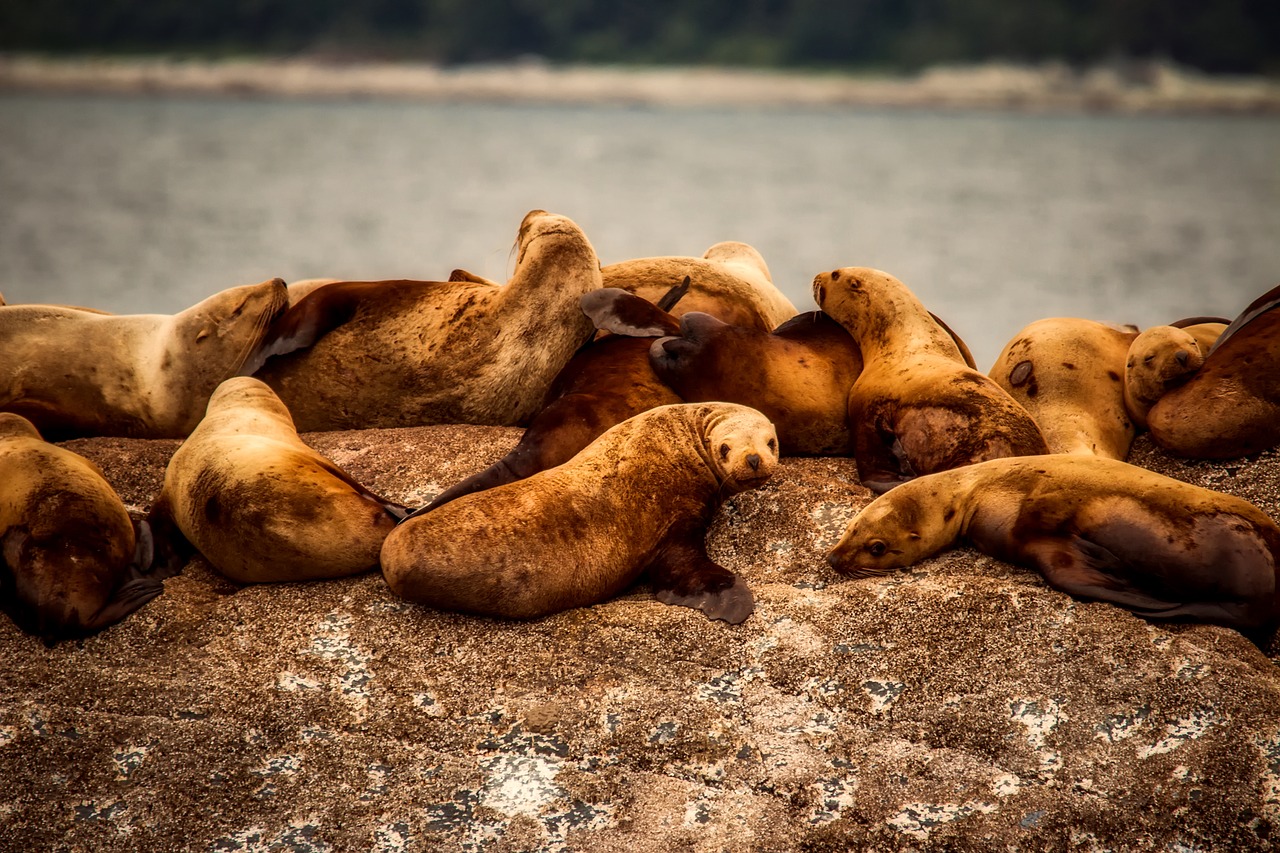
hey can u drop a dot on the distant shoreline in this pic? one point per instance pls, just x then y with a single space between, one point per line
1144 88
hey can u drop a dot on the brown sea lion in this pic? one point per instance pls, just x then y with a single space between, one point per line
1162 358
606 382
1094 527
637 500
71 560
797 375
730 281
259 504
74 372
1231 406
916 408
405 353
1068 374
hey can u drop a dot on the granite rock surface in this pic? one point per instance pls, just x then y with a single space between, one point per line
958 705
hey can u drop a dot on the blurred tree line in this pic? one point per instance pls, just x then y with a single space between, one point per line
1213 35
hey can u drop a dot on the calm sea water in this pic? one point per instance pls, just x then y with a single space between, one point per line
151 204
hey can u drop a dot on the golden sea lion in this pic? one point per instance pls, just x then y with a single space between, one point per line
731 282
1231 406
797 375
1068 374
75 372
260 504
71 560
637 500
1094 527
1162 358
917 407
405 353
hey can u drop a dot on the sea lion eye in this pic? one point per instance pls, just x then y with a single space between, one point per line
773 445
724 451
877 548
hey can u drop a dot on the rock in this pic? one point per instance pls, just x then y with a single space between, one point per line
962 704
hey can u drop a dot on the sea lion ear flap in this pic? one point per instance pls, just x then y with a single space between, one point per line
615 310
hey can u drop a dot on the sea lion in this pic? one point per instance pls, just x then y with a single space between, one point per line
1164 357
1068 374
916 408
606 382
259 504
1231 406
1093 527
636 500
72 562
75 372
730 281
797 375
405 353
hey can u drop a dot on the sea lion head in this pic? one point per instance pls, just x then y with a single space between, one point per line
245 396
540 229
896 529
1160 359
741 255
741 444
16 426
222 334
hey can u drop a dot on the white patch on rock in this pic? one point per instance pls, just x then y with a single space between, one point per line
1118 727
299 837
1271 776
919 819
293 683
8 734
334 643
1006 785
391 838
428 704
882 693
285 765
1180 731
1040 719
834 796
521 785
128 759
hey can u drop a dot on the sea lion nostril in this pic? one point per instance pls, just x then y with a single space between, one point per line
1182 357
754 461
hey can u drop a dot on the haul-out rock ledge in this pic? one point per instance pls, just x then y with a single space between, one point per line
959 705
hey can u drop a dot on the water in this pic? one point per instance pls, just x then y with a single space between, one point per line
994 220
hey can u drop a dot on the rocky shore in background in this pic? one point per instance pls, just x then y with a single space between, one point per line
960 705
1137 87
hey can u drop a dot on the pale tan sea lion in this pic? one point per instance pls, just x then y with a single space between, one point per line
74 372
1068 374
1094 527
405 353
636 501
260 504
1162 358
71 560
1231 406
731 282
917 407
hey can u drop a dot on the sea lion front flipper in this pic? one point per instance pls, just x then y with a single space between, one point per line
612 309
682 574
1085 569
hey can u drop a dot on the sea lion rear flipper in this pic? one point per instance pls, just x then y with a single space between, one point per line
131 595
684 575
612 309
1084 569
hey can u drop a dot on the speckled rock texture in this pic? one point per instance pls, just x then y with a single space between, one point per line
960 705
